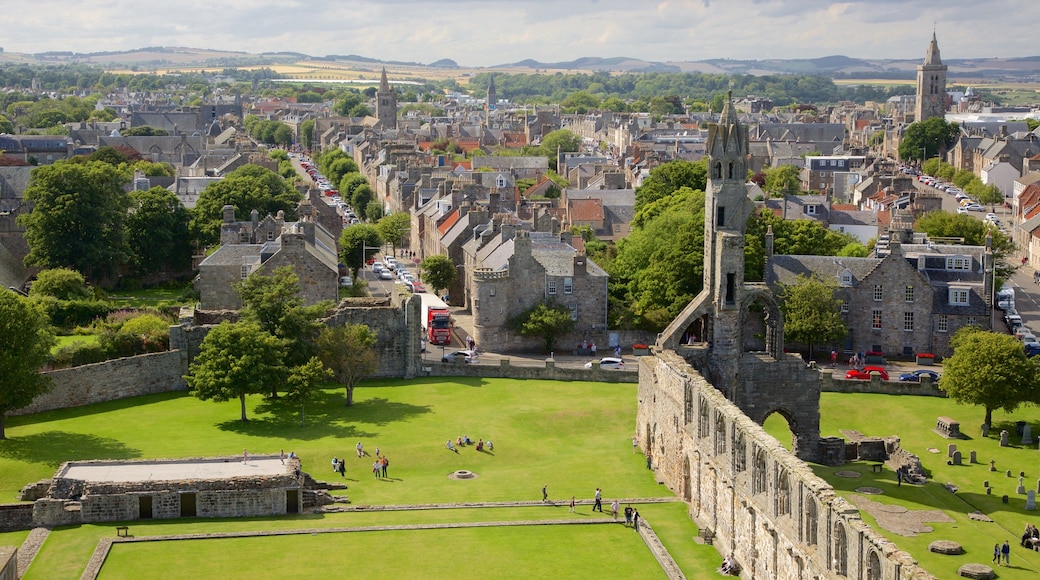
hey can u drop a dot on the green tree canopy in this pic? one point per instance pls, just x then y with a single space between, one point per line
934 135
785 179
669 178
77 219
247 188
394 227
939 224
348 351
545 321
812 311
358 243
157 232
304 384
25 346
438 271
990 369
61 283
235 360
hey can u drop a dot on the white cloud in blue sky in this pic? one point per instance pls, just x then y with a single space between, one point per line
489 32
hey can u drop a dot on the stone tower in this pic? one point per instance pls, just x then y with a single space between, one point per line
386 104
492 99
931 85
738 325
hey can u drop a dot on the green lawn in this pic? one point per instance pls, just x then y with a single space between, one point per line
571 436
68 340
149 297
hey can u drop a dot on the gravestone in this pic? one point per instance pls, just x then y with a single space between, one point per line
951 449
985 429
1031 500
992 464
989 491
1008 473
985 483
1004 499
1027 435
957 459
1004 438
1038 485
973 458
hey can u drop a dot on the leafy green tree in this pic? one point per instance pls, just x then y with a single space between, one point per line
579 102
61 283
374 211
157 232
348 351
5 125
941 224
668 178
545 321
77 219
358 243
25 346
305 383
361 198
812 311
247 188
934 135
349 183
274 303
785 179
307 133
559 141
853 250
438 271
235 360
394 227
990 369
144 131
350 100
987 194
962 178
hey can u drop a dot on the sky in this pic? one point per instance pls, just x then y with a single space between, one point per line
489 32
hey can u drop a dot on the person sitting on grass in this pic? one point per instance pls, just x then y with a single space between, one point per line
450 445
727 566
480 445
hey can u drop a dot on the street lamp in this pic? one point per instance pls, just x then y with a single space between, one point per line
924 155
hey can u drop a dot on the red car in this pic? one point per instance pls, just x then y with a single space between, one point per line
863 374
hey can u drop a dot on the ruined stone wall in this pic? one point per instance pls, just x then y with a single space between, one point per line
398 332
548 371
15 516
764 506
110 380
834 381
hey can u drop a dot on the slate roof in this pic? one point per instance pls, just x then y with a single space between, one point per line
232 255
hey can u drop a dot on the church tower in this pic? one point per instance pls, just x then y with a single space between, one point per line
931 85
386 104
492 99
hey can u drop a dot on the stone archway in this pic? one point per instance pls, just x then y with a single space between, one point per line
873 566
792 423
768 322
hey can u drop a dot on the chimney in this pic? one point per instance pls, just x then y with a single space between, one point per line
229 214
579 264
254 217
567 238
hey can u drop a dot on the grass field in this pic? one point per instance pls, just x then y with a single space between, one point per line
69 340
571 436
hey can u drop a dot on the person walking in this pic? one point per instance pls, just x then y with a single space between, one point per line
635 445
572 504
1006 551
281 456
614 509
628 514
545 493
384 463
635 520
342 468
245 456
598 506
335 464
360 449
996 553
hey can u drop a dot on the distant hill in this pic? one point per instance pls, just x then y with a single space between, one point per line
1022 69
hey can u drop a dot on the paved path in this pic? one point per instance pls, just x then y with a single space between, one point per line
30 547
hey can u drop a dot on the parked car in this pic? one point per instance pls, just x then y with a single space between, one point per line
608 362
863 374
467 356
974 207
915 376
386 275
416 287
346 281
377 267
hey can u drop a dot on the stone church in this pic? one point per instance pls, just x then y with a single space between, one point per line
931 85
714 376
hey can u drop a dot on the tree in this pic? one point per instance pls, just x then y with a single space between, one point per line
362 196
273 302
25 346
358 243
989 369
307 133
157 232
782 180
666 179
559 141
812 312
305 382
394 227
61 283
546 321
934 135
235 360
77 218
247 188
438 271
348 352
941 224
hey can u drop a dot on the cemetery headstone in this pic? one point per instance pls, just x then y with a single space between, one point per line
1004 438
1027 435
973 458
951 449
1031 500
985 429
957 459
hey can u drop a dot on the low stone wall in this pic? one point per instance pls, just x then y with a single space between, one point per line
110 380
16 516
549 371
835 382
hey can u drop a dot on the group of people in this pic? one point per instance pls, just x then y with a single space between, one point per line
1002 552
727 567
1031 537
379 467
465 440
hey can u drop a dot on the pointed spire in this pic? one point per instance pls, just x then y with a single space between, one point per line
491 83
729 113
384 85
932 56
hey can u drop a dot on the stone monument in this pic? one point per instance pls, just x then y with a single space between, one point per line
1004 438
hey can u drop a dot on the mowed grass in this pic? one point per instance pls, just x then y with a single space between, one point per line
912 420
69 340
499 552
570 436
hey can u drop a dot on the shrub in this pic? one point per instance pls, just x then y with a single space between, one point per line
69 314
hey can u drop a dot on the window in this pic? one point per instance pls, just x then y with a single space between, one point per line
811 522
270 235
550 286
846 278
783 493
731 288
878 293
875 320
245 270
909 293
758 474
943 324
810 210
568 286
958 263
739 451
908 321
703 428
959 296
844 306
720 216
972 321
720 433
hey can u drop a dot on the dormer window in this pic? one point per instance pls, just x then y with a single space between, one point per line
846 278
958 263
810 209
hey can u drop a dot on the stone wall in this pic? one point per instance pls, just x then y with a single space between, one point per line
834 381
110 380
547 371
765 506
15 516
396 323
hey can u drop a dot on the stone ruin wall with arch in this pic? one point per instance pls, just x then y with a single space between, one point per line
764 506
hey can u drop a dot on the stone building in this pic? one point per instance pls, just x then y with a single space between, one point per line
386 103
264 245
931 85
